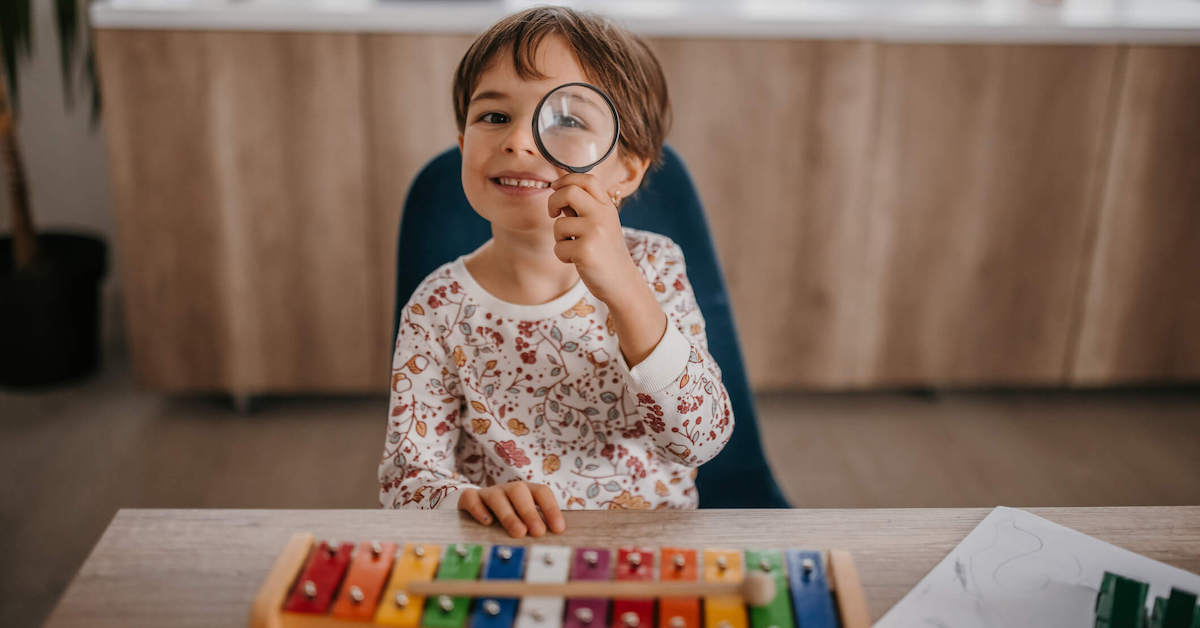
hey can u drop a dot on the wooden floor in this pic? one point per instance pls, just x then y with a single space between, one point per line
70 458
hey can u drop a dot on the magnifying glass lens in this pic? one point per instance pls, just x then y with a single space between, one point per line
576 126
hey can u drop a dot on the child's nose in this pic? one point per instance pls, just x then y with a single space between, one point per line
520 140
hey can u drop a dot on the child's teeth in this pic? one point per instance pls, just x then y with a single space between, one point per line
523 183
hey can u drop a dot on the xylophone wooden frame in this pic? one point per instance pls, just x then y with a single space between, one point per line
267 610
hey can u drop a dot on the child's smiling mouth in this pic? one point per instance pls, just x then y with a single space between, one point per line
520 185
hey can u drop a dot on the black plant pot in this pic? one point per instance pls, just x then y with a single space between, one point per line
50 315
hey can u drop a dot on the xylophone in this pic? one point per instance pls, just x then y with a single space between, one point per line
328 584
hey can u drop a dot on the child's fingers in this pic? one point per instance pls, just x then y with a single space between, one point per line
577 199
497 500
568 250
522 501
471 502
549 505
588 182
566 228
563 210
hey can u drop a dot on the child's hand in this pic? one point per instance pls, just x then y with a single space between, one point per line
516 507
589 235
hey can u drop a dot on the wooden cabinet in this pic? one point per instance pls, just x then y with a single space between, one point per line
243 212
1140 303
887 214
978 203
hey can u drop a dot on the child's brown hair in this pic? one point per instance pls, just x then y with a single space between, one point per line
616 60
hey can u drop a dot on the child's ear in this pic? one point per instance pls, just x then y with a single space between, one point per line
632 170
460 135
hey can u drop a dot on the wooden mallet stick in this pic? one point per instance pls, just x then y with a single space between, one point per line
757 588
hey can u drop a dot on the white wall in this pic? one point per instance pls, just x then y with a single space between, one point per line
65 159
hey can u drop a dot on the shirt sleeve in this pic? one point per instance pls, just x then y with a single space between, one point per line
684 406
418 465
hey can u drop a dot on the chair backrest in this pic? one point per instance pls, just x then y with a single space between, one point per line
439 225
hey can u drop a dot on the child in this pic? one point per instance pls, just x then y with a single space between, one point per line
565 361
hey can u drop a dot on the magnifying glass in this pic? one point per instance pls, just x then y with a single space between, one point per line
576 127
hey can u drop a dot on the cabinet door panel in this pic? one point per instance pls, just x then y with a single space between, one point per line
776 135
1141 314
238 165
986 169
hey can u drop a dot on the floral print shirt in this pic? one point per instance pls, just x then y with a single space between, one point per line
485 392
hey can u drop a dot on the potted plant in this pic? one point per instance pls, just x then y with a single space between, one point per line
49 282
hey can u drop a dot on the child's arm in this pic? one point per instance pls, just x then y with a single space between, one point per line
418 466
685 408
684 405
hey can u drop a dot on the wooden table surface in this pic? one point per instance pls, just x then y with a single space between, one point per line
203 567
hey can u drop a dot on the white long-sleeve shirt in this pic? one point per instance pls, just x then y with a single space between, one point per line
485 392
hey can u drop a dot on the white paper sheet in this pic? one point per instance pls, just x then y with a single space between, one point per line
1018 569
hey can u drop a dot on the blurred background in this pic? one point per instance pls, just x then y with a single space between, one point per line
961 240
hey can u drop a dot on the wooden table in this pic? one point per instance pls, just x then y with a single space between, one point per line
203 567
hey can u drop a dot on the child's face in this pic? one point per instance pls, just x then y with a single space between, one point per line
497 142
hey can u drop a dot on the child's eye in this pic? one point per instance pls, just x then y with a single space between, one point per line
570 122
493 117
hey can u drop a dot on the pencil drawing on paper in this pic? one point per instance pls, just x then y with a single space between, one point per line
1017 569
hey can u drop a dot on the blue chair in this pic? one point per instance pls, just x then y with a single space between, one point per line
439 225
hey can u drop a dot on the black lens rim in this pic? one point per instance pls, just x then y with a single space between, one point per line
537 136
